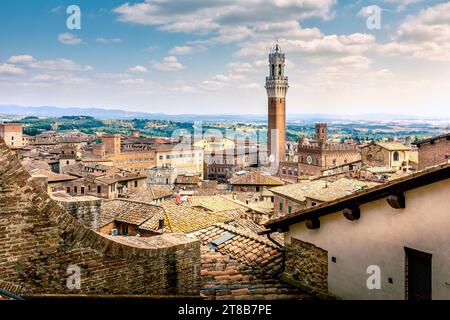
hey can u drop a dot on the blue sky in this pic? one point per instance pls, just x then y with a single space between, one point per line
196 56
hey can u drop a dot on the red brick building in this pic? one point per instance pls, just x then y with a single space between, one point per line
434 151
316 155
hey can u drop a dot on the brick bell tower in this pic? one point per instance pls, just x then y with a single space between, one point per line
276 86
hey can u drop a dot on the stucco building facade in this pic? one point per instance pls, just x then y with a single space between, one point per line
388 242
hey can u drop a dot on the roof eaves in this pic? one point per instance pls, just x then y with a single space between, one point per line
413 181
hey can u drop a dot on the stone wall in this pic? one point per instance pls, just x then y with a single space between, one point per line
85 211
307 267
39 241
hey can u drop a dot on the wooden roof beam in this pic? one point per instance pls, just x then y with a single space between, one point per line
396 201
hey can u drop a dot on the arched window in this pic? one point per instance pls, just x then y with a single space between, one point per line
396 156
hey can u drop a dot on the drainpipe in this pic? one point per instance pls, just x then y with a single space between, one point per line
10 295
281 247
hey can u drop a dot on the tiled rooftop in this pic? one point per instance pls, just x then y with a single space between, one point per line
237 264
184 218
51 176
225 278
299 191
393 146
178 217
245 246
187 179
322 190
339 188
255 178
151 194
215 203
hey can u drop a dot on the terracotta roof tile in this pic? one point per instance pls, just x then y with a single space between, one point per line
255 178
246 247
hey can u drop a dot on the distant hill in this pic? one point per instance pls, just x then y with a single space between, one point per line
48 111
45 111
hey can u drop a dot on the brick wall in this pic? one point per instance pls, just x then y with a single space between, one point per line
307 267
286 203
433 154
288 171
85 211
39 240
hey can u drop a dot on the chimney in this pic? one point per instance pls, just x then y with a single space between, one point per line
161 223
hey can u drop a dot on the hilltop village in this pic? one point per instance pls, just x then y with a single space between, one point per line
177 216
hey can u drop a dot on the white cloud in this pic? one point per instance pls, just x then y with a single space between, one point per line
138 69
108 41
69 38
367 11
402 4
180 50
137 81
249 86
60 64
207 16
150 48
46 78
425 36
26 58
10 69
186 89
313 49
45 72
353 62
57 9
55 79
228 78
240 66
169 63
108 75
431 24
220 81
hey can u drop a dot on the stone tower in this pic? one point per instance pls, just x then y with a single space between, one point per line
276 86
112 143
321 132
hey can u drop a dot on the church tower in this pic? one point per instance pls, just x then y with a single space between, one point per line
276 86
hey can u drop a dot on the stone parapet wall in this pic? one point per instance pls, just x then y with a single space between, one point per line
39 241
